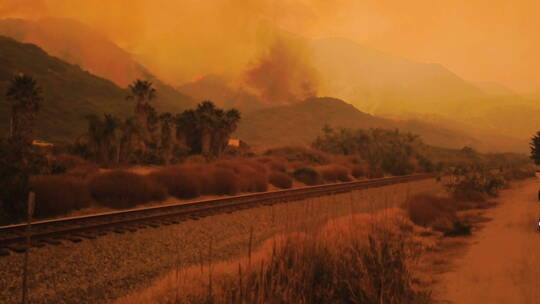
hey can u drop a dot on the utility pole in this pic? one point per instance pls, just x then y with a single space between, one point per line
30 208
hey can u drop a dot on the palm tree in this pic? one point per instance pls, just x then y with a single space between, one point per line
142 92
25 96
207 115
102 136
124 142
166 138
226 124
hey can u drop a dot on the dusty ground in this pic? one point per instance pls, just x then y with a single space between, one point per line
97 271
502 262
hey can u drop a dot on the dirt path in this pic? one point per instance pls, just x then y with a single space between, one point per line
503 263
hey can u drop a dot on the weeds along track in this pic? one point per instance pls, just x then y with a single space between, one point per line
75 229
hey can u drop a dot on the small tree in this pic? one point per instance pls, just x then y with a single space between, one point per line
25 96
535 148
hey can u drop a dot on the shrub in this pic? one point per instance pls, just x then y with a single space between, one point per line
180 181
307 155
273 163
358 171
222 181
59 194
72 165
280 180
375 173
425 209
439 213
308 176
334 173
121 189
473 182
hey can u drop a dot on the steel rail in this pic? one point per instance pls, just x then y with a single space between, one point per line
90 226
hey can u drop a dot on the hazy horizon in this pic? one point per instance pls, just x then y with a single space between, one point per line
478 40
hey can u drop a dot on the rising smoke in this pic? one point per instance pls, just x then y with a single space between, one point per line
284 74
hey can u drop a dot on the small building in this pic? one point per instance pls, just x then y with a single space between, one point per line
234 142
42 143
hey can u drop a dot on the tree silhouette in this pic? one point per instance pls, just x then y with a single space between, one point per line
25 96
535 148
142 92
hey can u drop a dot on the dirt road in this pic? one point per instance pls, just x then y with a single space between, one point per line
503 263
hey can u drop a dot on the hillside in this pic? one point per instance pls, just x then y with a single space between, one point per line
70 93
390 86
382 83
79 44
290 125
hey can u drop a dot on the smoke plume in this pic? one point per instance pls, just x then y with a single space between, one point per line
284 74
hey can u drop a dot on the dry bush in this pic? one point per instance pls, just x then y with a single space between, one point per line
436 212
334 173
222 181
73 166
424 209
280 180
181 181
273 163
121 189
251 180
308 176
303 154
358 171
360 259
59 194
375 173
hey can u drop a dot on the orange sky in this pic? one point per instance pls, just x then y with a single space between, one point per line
480 40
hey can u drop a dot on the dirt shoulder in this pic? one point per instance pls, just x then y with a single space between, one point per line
502 262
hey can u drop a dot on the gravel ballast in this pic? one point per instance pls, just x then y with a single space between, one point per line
111 266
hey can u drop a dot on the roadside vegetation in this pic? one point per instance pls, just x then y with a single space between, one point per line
189 157
360 258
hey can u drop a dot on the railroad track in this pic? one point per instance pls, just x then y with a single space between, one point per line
76 229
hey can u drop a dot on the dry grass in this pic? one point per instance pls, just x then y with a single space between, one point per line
101 270
121 189
359 259
59 194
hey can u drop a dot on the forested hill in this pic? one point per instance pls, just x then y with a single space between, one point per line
300 123
70 93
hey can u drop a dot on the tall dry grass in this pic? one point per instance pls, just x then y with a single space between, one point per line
357 259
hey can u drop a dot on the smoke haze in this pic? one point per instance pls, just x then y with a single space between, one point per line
480 40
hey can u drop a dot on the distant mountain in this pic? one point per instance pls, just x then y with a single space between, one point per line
79 44
70 93
495 89
380 83
300 123
391 86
